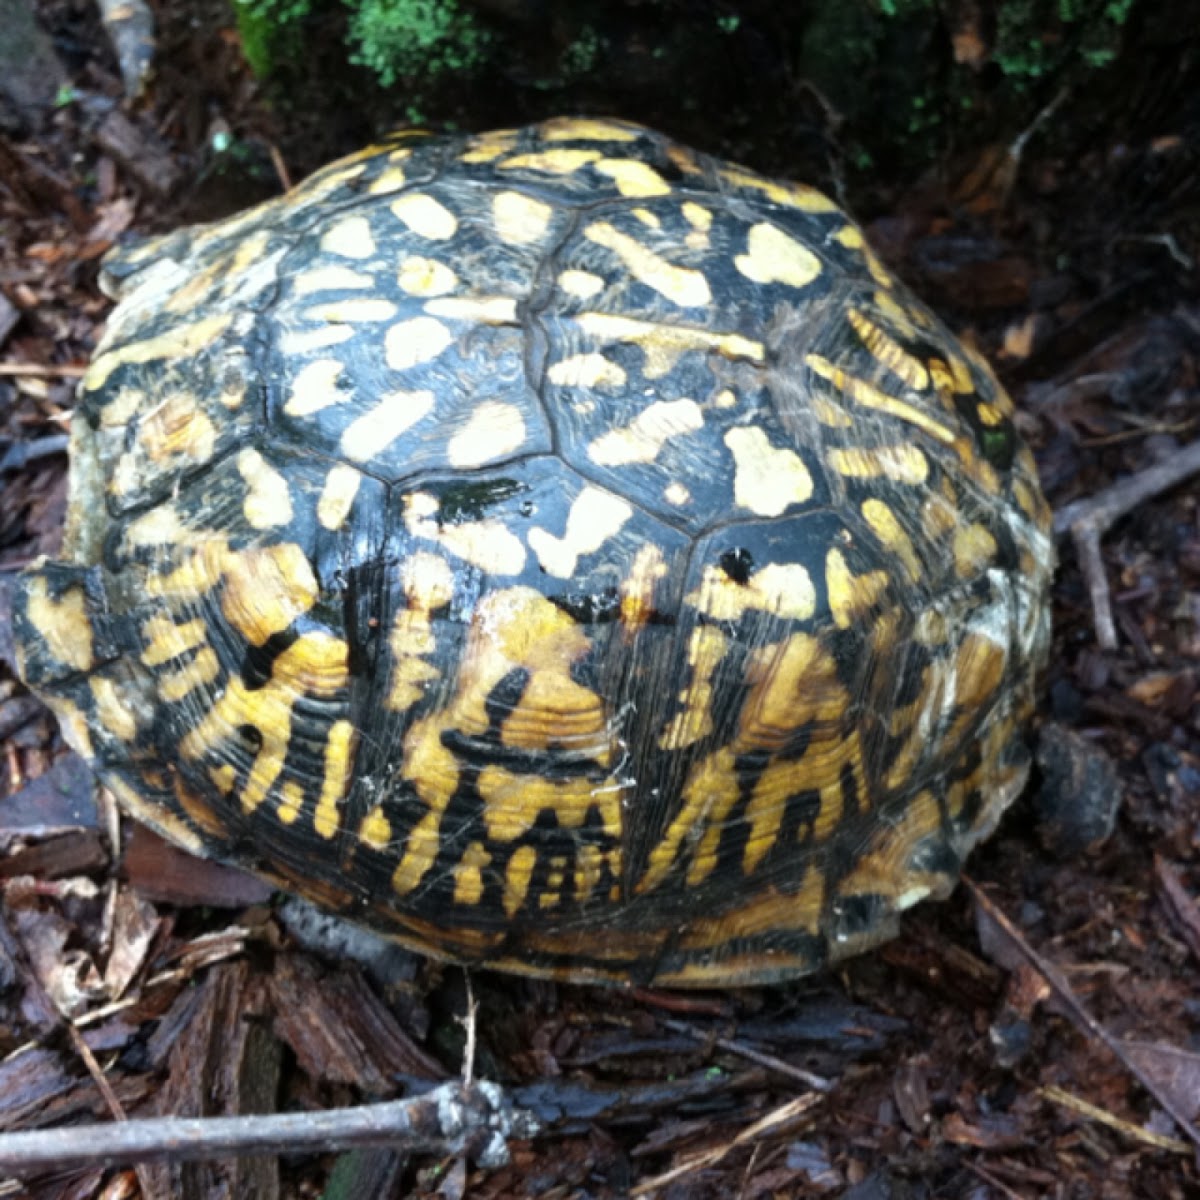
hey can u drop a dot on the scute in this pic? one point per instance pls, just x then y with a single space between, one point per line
559 549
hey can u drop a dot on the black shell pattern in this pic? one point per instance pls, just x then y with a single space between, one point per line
559 549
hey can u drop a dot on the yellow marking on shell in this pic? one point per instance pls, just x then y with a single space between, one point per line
428 584
634 178
113 709
520 219
581 284
850 595
350 238
198 574
394 415
905 320
706 651
178 427
697 216
663 344
869 396
879 272
315 665
486 544
888 529
831 415
512 803
268 502
595 517
793 685
772 911
642 440
179 342
676 493
793 195
938 517
330 278
590 370
224 777
960 373
637 588
488 147
166 640
781 589
419 276
390 179
1029 501
849 236
299 343
375 829
352 311
979 670
335 781
975 550
121 408
903 463
314 388
291 801
415 341
885 868
517 875
767 479
989 414
888 352
585 129
493 430
559 161
433 773
199 673
683 286
337 496
61 622
774 257
468 874
520 629
425 216
481 310
73 725
266 589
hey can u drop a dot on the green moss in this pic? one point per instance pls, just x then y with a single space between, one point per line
421 38
415 37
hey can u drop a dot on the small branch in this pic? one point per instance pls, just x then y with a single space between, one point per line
25 370
817 1082
1088 520
1080 1015
449 1120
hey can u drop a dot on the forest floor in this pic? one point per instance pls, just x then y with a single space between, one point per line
957 1060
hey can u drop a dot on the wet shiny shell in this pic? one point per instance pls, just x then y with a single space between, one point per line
557 548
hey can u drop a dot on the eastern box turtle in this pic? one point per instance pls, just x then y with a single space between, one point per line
559 549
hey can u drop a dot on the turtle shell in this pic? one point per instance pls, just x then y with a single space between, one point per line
556 548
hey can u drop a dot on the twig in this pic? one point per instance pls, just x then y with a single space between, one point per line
783 1115
1080 1015
281 171
1088 520
818 1083
1084 1108
469 1023
42 370
20 453
448 1120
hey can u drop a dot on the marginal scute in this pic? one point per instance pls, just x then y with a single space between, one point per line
564 551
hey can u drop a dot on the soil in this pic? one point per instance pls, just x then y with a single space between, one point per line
957 1058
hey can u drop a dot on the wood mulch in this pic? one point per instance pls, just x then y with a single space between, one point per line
1029 1038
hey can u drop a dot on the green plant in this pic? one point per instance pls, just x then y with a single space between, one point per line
415 37
390 37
